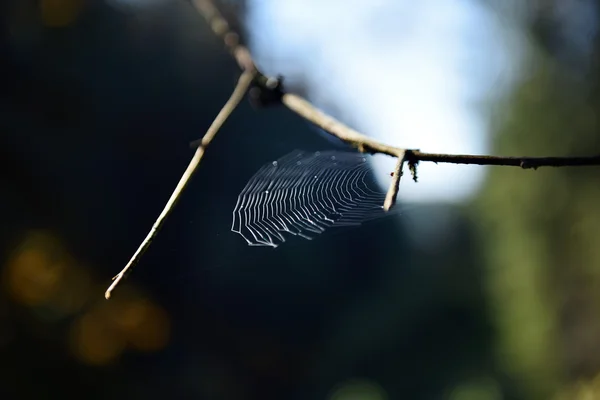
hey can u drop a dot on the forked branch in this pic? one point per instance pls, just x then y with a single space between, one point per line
272 88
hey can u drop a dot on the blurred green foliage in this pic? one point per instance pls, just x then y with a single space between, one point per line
540 231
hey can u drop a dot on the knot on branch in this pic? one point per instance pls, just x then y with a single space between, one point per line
527 164
412 166
266 91
195 144
411 157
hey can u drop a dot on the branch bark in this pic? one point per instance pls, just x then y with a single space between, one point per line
522 162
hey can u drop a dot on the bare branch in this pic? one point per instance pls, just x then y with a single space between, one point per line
392 193
523 162
221 28
238 94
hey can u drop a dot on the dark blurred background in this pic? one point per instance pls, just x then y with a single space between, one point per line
97 106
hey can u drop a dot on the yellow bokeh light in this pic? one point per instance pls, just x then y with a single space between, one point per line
95 342
41 272
35 270
145 325
109 328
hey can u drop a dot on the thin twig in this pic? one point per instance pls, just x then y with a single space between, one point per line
392 193
238 94
522 162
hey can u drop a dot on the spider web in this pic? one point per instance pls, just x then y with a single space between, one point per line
303 194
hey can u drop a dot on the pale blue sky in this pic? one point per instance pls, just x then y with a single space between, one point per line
407 73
